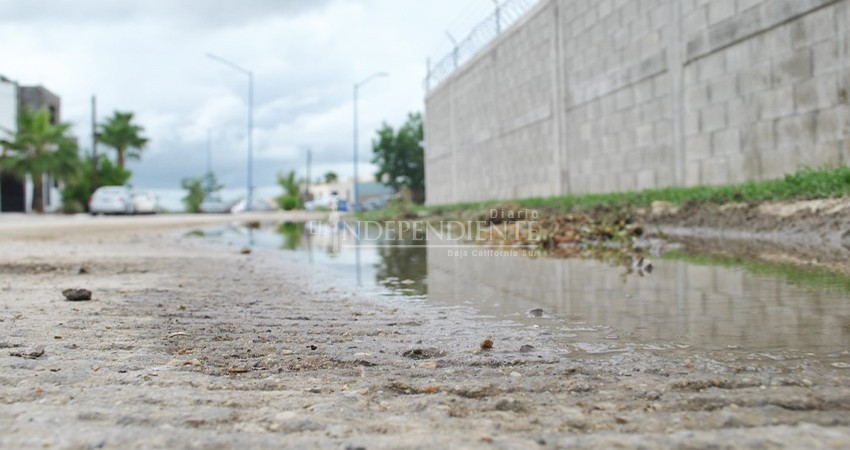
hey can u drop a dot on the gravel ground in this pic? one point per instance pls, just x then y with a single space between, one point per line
187 346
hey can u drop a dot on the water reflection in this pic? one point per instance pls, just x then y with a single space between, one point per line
708 307
403 268
293 235
390 266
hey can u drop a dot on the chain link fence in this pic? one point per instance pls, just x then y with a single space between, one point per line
505 15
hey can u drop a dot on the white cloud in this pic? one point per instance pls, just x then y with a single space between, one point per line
149 58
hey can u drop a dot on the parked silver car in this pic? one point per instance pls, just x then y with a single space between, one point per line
112 200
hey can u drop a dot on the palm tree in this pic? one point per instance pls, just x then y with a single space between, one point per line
291 190
41 148
121 134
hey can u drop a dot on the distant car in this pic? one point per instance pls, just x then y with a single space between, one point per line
145 203
112 200
215 205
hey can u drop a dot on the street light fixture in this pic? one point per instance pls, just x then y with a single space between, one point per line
250 74
356 203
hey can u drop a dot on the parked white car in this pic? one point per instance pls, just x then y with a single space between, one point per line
145 203
112 200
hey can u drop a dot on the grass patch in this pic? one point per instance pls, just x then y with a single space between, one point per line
813 277
803 185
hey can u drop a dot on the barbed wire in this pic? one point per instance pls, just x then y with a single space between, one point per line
505 15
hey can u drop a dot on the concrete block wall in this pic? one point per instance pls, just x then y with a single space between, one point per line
611 95
766 88
492 131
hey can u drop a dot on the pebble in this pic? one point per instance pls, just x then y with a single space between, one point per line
77 295
510 404
536 312
516 374
526 348
35 353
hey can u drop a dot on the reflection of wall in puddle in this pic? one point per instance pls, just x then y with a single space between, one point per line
707 306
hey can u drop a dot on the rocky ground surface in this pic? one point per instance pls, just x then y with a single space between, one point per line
187 346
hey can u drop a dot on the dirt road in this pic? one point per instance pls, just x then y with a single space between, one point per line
190 346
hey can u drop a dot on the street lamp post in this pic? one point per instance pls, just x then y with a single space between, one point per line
356 203
250 74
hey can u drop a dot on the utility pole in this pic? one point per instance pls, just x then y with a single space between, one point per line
356 201
209 162
93 144
250 187
307 187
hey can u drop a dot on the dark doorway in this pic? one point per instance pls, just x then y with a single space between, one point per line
12 195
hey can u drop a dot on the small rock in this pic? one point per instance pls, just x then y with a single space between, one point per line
526 348
536 312
35 353
423 353
245 250
515 374
77 295
428 365
662 208
510 404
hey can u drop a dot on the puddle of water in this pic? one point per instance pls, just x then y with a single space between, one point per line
679 305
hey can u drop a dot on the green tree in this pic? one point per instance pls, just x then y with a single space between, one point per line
120 133
198 188
331 177
41 148
400 156
77 191
291 198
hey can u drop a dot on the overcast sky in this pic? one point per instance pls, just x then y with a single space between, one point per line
148 57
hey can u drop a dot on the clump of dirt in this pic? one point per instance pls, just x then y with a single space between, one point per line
423 353
77 295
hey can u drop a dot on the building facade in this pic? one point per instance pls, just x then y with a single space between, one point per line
16 191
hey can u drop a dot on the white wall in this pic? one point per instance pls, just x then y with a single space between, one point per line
8 108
